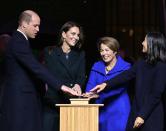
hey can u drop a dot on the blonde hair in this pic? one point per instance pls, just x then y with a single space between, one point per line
111 42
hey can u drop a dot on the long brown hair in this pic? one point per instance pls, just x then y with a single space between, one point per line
66 27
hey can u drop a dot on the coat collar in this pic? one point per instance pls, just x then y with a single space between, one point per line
120 65
22 34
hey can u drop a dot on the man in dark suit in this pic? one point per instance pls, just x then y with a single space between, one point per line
21 106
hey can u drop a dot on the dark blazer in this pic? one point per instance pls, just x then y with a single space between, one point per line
70 71
149 89
21 108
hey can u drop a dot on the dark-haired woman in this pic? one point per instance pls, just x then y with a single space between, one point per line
147 113
67 62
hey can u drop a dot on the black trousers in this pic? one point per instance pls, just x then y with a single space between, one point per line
51 118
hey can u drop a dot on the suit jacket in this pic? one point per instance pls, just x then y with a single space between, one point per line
21 108
70 71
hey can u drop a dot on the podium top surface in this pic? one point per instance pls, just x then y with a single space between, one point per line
79 105
75 102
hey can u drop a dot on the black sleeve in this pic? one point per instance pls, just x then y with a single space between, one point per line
122 78
24 56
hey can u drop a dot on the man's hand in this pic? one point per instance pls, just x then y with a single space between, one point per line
138 122
77 88
98 88
69 91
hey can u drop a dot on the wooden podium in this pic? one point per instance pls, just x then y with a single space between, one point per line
79 115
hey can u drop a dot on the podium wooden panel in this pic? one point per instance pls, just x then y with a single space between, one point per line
79 117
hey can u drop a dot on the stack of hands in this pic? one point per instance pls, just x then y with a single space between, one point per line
76 91
90 95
